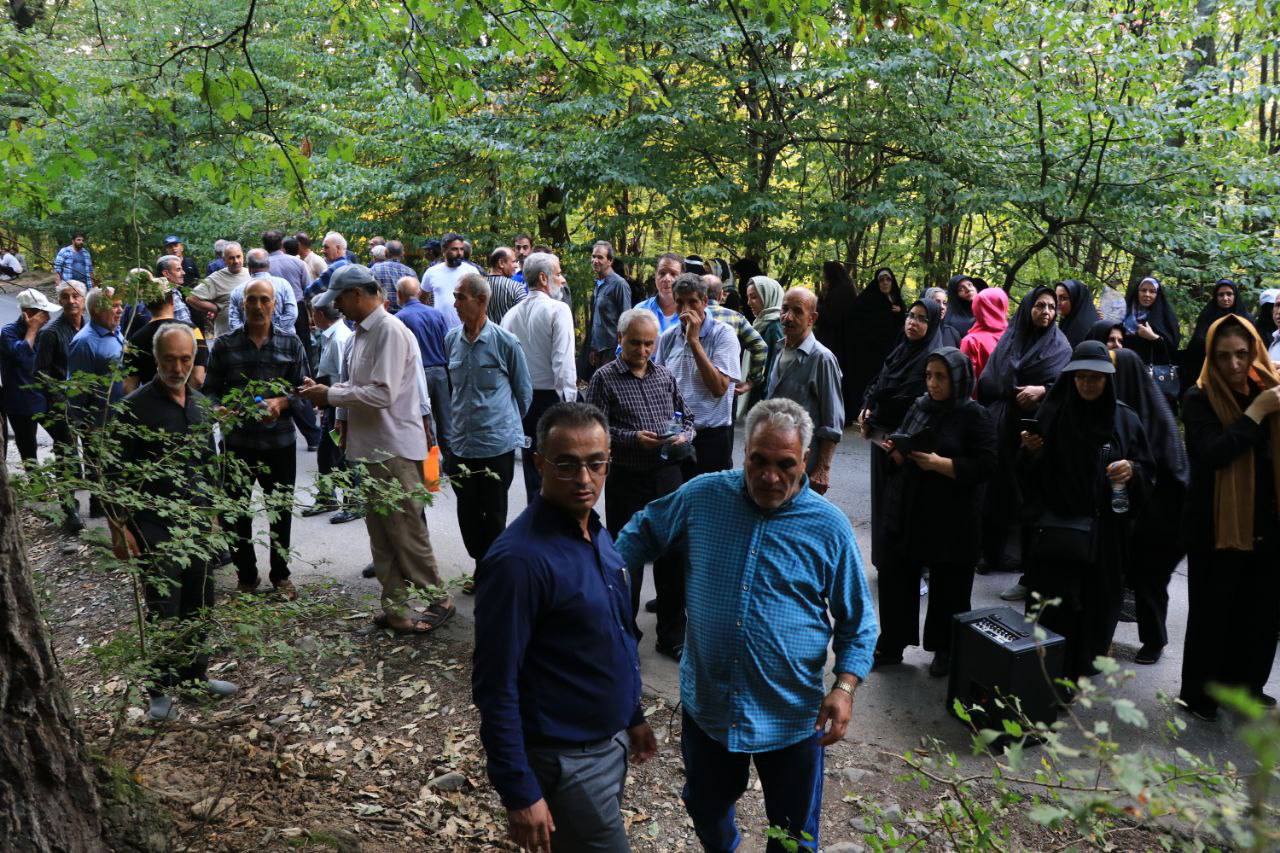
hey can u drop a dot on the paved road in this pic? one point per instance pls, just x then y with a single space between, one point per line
894 709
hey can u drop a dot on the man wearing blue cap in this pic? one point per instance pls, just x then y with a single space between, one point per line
190 272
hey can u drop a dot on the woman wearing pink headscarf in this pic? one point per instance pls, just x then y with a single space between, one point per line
990 319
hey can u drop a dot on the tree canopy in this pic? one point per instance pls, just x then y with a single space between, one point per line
1018 141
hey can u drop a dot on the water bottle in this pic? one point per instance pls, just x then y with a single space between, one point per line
1119 491
674 427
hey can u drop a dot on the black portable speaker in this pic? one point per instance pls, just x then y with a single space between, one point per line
995 655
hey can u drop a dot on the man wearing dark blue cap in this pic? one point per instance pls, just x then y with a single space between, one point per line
173 246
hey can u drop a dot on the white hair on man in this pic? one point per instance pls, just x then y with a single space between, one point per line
218 246
783 415
633 315
537 265
333 237
378 253
100 299
167 329
476 285
72 284
232 244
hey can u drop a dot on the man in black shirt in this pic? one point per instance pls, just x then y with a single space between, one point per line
140 362
51 371
241 364
160 423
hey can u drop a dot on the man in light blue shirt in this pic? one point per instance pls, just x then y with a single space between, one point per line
97 350
285 318
491 394
767 560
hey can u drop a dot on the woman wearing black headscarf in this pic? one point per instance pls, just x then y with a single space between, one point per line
1076 311
960 292
1151 328
1022 368
1107 332
874 326
1086 444
1224 300
933 510
1157 549
887 399
1232 416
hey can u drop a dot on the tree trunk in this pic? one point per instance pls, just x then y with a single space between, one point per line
47 797
553 225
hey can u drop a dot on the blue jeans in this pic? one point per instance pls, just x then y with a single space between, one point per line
791 778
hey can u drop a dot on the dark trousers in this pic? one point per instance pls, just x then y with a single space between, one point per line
23 428
304 417
713 451
482 498
1232 619
898 582
626 492
66 450
438 392
272 469
950 592
542 400
329 456
177 593
583 789
791 779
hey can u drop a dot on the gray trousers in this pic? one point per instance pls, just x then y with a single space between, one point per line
583 790
441 401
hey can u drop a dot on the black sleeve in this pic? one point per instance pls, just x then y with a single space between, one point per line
982 457
215 378
1208 441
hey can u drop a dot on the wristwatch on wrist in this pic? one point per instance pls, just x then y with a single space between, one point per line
843 685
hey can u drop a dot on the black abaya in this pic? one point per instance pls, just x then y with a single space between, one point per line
1076 325
873 327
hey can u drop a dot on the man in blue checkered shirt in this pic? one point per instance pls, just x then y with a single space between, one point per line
768 560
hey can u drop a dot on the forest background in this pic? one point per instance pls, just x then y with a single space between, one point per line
1020 141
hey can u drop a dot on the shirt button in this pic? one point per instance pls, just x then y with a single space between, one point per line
744 586
733 726
739 623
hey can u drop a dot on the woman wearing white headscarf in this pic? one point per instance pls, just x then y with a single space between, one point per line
764 296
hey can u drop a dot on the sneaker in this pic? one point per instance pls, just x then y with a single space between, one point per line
369 571
221 689
1148 654
1017 592
286 590
161 709
346 515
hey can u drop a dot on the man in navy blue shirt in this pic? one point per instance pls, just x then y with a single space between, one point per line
429 328
556 671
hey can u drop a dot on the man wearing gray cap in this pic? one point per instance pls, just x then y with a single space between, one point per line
385 431
22 401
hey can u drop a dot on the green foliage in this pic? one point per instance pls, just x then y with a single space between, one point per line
1024 142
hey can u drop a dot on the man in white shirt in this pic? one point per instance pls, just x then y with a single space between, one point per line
10 266
385 430
544 326
442 279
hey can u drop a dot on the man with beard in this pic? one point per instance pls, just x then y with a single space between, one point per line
177 588
442 279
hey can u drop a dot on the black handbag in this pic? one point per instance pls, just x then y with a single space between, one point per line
1166 376
1064 539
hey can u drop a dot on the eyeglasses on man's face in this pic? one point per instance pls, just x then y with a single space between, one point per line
567 469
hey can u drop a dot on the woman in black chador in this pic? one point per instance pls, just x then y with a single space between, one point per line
1020 372
1086 444
1224 301
933 514
1150 326
874 326
1157 545
960 292
1076 311
898 385
1232 416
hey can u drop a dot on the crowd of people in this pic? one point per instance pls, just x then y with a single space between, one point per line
1045 443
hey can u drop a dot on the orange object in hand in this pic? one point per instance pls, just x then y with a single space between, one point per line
431 469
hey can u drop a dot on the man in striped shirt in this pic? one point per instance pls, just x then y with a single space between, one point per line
505 291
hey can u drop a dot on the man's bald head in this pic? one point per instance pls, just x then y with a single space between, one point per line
259 303
408 288
799 313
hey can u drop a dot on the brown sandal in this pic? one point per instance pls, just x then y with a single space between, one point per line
412 626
